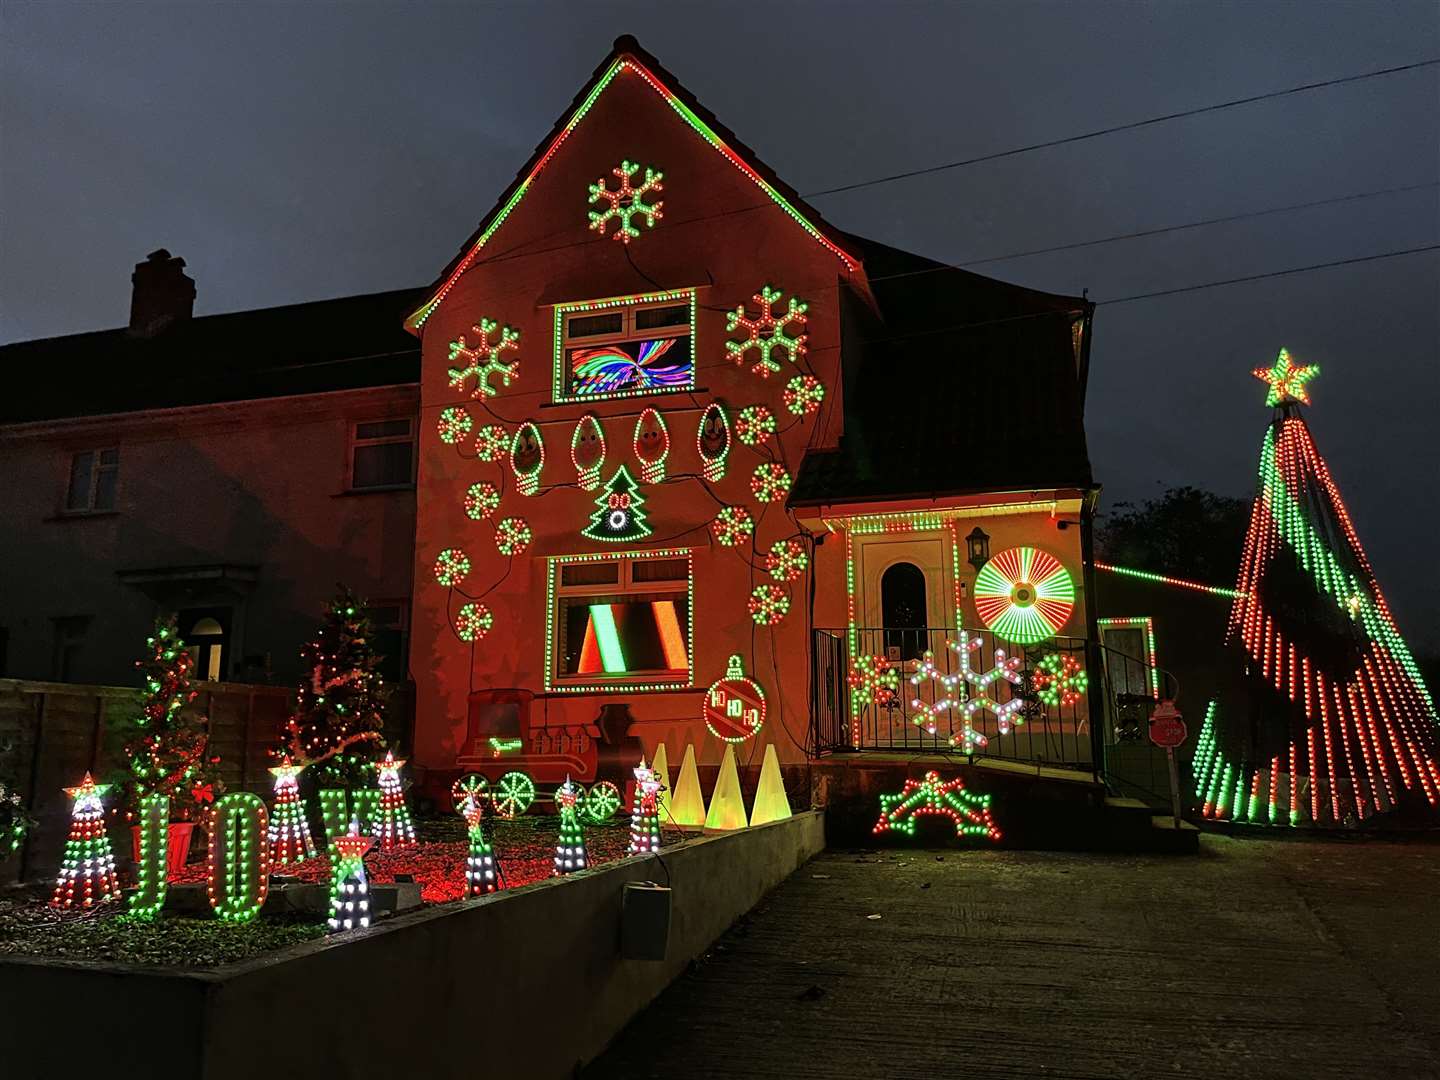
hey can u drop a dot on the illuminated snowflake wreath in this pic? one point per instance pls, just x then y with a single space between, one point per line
770 481
512 536
473 622
732 526
768 604
1060 680
481 501
872 680
454 424
492 443
754 425
803 394
451 566
786 560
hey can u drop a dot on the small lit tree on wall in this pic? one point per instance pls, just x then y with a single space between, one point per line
340 704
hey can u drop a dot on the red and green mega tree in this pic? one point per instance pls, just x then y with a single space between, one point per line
1326 720
340 704
165 743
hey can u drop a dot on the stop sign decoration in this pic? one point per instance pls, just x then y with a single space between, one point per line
734 708
1167 728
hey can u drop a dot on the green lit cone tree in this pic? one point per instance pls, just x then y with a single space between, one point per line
336 728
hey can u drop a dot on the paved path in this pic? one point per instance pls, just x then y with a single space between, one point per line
1257 958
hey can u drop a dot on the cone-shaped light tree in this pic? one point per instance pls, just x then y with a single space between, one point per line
1326 720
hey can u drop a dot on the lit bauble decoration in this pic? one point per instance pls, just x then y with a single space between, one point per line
734 706
1024 595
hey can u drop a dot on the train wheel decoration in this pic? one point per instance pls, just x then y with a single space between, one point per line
734 707
513 794
602 802
1024 595
472 787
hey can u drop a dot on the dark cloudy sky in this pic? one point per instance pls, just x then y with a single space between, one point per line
304 150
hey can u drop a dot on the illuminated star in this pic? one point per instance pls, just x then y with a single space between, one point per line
1287 382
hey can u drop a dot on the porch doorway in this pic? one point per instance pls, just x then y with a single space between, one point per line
903 611
903 586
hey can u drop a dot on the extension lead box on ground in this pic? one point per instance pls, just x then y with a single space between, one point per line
644 921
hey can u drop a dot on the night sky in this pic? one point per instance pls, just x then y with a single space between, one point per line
305 150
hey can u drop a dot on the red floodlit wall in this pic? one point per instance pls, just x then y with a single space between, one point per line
720 235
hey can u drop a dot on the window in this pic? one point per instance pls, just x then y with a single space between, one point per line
205 632
1128 646
69 637
902 609
621 622
382 454
94 475
388 630
628 347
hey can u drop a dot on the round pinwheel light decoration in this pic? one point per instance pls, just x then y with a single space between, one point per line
1024 595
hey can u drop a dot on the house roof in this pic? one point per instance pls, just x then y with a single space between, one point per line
626 56
325 345
958 384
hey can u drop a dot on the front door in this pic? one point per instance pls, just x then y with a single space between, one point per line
903 585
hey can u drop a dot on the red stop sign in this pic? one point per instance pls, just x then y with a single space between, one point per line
1167 727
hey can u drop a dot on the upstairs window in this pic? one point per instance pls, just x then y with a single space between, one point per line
626 347
382 454
94 477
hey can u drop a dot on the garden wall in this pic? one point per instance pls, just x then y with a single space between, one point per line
528 982
57 731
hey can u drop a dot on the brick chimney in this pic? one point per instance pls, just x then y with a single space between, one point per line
163 295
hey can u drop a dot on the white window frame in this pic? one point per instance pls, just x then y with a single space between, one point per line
356 442
557 681
97 466
628 308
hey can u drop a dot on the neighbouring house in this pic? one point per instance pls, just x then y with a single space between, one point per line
697 467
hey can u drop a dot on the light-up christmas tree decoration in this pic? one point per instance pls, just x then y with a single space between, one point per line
712 442
87 868
454 424
803 394
1025 595
482 360
340 702
451 567
481 500
349 887
1061 680
768 605
570 847
289 832
727 806
645 811
512 536
754 425
770 481
626 202
394 829
969 813
165 743
1327 721
473 622
786 560
482 872
687 804
620 511
732 526
771 801
766 333
492 442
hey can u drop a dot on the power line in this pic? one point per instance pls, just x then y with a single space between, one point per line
1133 125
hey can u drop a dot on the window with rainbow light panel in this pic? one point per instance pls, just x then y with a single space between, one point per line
623 618
630 346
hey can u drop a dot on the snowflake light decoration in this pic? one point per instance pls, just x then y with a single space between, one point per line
786 560
451 566
481 501
770 481
492 442
732 526
872 680
623 204
803 394
454 424
768 604
1060 680
1005 668
927 713
483 358
766 332
512 536
473 622
754 425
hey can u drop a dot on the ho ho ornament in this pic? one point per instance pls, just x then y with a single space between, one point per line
734 707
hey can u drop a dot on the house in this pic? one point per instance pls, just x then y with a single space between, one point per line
696 467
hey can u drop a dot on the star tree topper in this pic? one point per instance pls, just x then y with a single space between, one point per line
1286 381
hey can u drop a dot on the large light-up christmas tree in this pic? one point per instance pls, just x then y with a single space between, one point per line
1327 721
340 703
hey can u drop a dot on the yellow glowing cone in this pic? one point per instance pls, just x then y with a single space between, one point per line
661 768
727 808
771 802
688 805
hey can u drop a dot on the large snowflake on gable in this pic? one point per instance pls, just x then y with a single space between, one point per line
483 358
766 332
623 204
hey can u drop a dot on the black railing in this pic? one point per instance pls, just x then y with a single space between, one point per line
907 689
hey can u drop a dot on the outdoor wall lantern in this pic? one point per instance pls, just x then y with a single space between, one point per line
979 546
